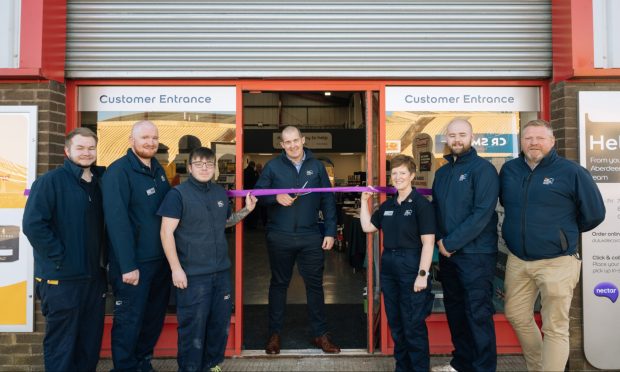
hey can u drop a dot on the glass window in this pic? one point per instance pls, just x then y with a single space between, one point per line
416 121
187 118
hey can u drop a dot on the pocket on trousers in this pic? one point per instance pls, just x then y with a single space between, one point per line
57 298
188 297
422 305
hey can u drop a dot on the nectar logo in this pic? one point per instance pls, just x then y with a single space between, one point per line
463 177
408 212
220 203
548 181
309 172
608 290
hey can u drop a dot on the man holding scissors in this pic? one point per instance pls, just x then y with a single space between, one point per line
293 234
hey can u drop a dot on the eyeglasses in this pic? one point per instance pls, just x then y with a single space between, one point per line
203 164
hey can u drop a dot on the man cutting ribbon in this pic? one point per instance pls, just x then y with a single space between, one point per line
293 234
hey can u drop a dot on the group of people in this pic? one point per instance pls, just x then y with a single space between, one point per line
548 201
83 220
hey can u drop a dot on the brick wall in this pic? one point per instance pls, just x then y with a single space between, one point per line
565 120
24 351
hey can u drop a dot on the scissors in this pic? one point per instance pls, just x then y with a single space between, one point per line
301 194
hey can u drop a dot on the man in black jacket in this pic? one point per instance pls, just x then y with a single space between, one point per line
465 192
293 234
63 221
548 202
133 189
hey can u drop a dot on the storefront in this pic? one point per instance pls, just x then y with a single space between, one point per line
357 126
365 80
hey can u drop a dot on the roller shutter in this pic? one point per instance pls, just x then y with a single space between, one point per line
335 39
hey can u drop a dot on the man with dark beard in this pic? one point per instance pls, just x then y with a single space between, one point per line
465 192
63 221
133 189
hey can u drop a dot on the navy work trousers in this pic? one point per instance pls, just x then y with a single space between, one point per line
467 281
73 311
203 312
139 313
284 251
406 310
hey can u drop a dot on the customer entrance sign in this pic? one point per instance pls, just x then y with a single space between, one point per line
599 134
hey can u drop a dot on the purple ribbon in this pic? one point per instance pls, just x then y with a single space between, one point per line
263 192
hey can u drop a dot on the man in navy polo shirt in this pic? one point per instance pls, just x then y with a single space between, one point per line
465 192
63 221
195 215
133 189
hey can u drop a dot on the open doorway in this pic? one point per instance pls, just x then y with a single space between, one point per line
334 125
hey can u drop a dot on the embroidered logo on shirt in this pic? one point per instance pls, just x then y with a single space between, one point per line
309 172
408 212
548 181
388 213
150 191
227 297
220 203
463 177
163 179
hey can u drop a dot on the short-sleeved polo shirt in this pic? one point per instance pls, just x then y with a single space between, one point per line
404 223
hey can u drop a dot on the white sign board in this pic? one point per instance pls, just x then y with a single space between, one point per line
315 140
18 164
157 99
599 134
510 99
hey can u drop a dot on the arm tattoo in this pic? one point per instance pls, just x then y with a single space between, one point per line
236 217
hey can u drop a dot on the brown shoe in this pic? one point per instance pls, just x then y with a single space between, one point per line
273 345
326 345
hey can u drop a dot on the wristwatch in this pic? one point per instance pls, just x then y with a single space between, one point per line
422 273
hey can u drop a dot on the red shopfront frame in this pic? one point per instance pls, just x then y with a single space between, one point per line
439 335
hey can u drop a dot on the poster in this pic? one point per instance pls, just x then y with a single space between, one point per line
599 134
18 152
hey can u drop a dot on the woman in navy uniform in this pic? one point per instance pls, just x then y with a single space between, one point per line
408 224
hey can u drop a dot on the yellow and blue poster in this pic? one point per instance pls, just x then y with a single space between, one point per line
18 153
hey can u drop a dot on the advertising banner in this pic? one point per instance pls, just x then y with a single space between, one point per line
18 155
599 133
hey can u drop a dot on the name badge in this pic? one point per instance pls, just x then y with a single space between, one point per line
150 191
388 213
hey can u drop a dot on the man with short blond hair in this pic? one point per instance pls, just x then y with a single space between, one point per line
548 202
63 221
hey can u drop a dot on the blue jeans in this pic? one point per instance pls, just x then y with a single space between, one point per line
284 251
467 281
73 311
203 312
139 313
406 310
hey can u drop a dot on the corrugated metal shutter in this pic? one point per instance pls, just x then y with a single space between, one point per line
401 39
